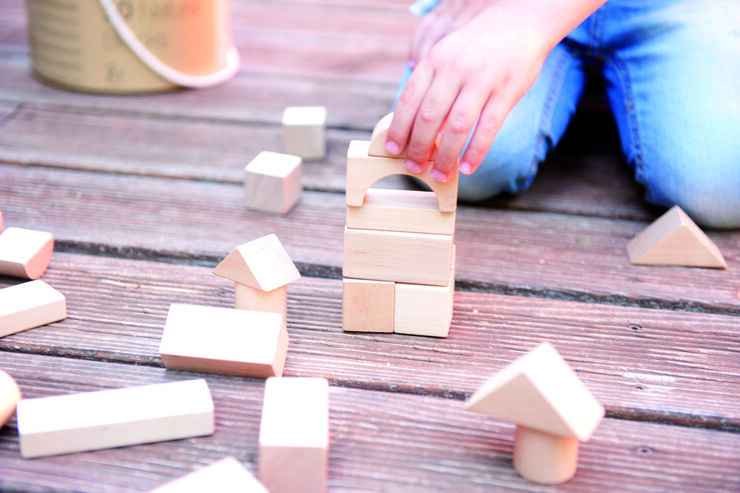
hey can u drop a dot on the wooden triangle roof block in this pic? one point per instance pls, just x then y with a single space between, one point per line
674 239
261 264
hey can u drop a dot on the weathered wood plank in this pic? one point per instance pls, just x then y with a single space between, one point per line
641 363
526 253
379 442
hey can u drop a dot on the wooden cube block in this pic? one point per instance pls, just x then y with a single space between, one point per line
28 305
10 394
304 131
225 476
415 258
368 306
294 435
272 182
114 418
411 211
224 340
364 170
424 310
25 252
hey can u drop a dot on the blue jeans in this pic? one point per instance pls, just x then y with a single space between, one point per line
672 75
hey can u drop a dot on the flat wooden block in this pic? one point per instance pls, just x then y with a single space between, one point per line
224 340
28 305
368 306
415 258
25 252
272 182
294 435
412 211
364 170
424 310
10 394
540 391
674 239
114 418
304 131
225 476
262 264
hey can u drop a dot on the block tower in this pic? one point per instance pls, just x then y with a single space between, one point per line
399 250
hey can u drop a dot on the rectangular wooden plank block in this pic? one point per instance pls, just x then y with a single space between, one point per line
25 252
225 476
412 211
294 435
416 258
28 305
424 310
224 340
114 418
368 306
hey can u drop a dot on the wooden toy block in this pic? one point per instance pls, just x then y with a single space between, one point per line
363 171
424 310
674 239
25 252
415 258
272 182
262 264
551 407
224 340
10 394
28 305
249 298
411 211
304 131
114 418
294 435
380 135
225 476
368 306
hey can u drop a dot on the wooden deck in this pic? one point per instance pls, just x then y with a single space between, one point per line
144 196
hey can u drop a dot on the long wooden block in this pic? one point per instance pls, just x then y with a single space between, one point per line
25 252
304 131
412 211
368 306
10 394
114 418
415 258
225 476
28 305
224 340
294 435
364 170
272 182
424 310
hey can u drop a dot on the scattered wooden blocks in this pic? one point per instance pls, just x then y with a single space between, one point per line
225 476
10 394
294 435
114 418
28 305
424 310
25 252
551 407
272 182
368 306
674 239
304 131
224 340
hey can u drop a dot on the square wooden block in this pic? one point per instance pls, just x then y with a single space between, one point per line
272 182
224 340
304 131
114 418
424 310
25 252
28 305
368 306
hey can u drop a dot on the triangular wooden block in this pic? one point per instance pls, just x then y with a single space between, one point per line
540 391
674 239
262 264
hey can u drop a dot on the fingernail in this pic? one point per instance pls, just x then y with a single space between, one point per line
412 166
466 168
392 147
439 176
